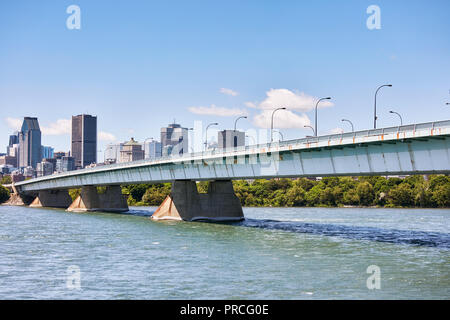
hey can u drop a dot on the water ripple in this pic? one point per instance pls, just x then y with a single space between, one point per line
419 238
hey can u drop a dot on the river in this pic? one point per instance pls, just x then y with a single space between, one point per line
276 253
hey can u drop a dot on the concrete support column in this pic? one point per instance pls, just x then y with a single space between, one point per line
112 200
185 203
52 199
18 199
221 202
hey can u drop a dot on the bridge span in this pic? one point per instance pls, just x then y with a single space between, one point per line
421 148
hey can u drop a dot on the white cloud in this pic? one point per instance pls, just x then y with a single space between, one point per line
282 119
14 123
334 131
106 136
298 101
293 101
251 105
218 111
229 92
60 127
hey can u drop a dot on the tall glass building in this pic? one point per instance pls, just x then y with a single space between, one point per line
84 140
30 143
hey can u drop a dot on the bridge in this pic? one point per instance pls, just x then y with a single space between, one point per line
421 148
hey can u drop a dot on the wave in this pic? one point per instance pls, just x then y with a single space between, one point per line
411 237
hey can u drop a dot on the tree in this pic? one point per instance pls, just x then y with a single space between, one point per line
436 181
295 196
156 194
313 195
137 191
74 193
364 190
327 197
423 195
442 196
4 194
401 195
6 180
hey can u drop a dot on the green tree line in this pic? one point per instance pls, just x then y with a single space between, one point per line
412 191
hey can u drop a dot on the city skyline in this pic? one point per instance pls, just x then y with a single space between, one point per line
291 54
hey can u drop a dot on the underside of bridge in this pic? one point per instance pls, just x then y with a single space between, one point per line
220 203
111 200
185 203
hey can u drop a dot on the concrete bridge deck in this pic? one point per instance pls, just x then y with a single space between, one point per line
421 148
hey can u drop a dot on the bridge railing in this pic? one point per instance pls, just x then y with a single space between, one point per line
409 130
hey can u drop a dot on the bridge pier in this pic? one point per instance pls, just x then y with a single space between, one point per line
18 199
52 199
112 200
185 203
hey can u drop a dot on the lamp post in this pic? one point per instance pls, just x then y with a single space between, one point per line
315 130
251 137
281 135
351 123
235 121
271 125
401 120
314 133
206 133
375 105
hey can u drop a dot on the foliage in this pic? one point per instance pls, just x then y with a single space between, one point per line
412 191
74 193
4 194
6 180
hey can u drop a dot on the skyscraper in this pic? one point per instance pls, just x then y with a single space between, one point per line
84 140
175 139
131 151
152 149
47 152
230 139
30 143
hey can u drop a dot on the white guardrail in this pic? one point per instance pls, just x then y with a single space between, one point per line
418 130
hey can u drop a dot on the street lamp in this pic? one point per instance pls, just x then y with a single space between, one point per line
271 125
251 137
281 135
315 130
242 117
401 120
375 106
351 123
206 133
314 133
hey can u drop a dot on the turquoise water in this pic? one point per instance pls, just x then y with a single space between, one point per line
276 253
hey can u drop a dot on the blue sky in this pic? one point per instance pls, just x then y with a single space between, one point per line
138 65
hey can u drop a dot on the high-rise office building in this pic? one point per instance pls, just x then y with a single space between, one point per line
152 149
65 164
13 139
131 151
47 152
84 140
44 168
30 143
112 152
230 139
176 137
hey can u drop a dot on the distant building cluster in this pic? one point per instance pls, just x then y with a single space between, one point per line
26 157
